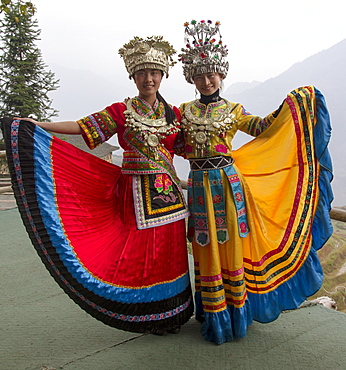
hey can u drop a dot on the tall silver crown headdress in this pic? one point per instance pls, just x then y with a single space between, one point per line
153 52
202 52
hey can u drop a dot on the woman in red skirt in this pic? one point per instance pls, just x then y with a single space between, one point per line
113 238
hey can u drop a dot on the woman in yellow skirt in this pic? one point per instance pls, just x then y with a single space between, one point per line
260 213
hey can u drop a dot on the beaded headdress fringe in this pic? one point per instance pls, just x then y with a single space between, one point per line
202 53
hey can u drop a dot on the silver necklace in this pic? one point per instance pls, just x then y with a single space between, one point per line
201 129
152 131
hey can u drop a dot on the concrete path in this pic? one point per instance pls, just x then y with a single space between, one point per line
41 328
7 200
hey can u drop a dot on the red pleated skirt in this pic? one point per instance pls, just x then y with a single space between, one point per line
78 211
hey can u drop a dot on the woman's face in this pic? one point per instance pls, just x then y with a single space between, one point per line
148 82
207 83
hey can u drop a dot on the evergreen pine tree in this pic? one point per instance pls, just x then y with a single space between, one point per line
24 80
27 7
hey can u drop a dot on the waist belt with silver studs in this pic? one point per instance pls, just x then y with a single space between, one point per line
200 164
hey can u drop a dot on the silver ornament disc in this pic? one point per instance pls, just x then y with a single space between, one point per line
153 140
201 137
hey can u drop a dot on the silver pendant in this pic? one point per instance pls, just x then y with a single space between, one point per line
153 140
201 137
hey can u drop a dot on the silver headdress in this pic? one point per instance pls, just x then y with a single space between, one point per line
153 52
203 53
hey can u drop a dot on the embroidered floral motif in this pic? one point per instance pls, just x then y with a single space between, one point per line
220 148
163 184
243 227
200 200
221 236
190 200
202 238
217 198
216 182
239 197
201 223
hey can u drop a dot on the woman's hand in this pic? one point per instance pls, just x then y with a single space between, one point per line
27 119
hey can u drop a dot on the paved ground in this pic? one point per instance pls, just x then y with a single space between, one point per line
41 328
6 199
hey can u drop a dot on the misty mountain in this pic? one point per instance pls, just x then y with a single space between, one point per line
240 87
326 71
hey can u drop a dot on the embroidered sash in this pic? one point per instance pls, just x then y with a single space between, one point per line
198 220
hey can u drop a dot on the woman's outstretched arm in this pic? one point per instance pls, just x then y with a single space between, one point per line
64 127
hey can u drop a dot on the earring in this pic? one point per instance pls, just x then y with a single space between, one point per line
196 93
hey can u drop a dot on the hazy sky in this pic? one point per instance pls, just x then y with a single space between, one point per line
264 37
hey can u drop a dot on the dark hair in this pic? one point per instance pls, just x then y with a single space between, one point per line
170 115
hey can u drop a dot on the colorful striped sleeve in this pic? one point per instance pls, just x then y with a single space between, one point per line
97 128
251 124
